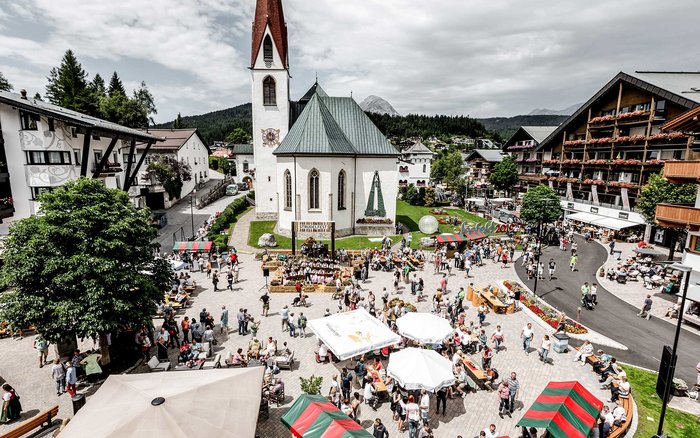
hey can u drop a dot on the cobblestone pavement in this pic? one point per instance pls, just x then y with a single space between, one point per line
464 416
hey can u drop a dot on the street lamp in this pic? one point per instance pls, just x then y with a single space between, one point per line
539 246
670 371
192 198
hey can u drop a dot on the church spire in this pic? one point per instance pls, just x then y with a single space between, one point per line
269 13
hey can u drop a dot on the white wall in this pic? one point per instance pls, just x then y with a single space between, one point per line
194 153
415 169
264 117
389 179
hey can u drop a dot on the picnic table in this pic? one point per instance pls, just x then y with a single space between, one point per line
378 383
494 302
476 373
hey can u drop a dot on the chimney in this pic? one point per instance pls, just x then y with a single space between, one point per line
23 92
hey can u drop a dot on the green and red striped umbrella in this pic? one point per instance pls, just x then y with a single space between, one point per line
313 416
565 409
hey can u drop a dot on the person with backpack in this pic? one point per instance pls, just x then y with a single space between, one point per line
360 371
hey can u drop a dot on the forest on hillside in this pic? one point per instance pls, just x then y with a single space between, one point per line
506 126
414 125
215 126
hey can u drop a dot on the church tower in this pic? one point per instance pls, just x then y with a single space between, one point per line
269 66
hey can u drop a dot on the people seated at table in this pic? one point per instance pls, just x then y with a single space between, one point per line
370 394
461 385
237 359
322 353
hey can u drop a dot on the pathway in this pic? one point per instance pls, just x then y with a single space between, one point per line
613 317
241 231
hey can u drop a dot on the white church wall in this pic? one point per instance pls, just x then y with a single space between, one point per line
389 179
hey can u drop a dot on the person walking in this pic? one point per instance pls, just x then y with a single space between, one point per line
224 319
229 280
301 323
71 379
58 373
185 326
424 407
552 268
240 318
236 272
284 313
345 382
503 392
514 386
42 349
526 334
266 304
497 337
572 261
441 397
413 414
215 279
443 284
379 430
11 407
545 348
612 246
646 308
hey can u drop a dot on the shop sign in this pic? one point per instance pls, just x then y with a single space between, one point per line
313 226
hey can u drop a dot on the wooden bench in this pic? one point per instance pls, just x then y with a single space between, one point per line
592 359
494 302
628 404
42 419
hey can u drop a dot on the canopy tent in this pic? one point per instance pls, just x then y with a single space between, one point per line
313 416
352 333
216 403
417 368
447 238
565 409
586 218
614 223
424 327
648 251
501 200
474 235
178 265
195 246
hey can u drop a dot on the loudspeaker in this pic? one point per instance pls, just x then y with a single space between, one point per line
516 296
266 272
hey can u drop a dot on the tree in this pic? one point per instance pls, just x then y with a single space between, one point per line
169 172
68 87
84 267
178 123
540 205
505 174
238 136
98 85
118 108
145 100
659 191
37 96
448 168
115 86
4 83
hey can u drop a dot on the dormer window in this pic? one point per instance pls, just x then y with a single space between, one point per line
267 49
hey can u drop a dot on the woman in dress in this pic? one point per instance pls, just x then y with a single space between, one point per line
92 367
11 407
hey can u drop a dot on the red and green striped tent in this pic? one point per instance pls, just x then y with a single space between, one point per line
565 409
197 245
313 416
445 238
475 235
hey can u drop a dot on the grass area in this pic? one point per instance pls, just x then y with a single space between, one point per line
409 215
258 228
676 424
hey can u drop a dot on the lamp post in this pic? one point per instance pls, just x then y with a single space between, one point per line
192 201
538 251
672 367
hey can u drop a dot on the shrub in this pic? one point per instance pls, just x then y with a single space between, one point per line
312 385
227 217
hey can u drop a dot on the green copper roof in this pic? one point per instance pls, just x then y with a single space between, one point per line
334 126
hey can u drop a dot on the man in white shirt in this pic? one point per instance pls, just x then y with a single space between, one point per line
619 415
526 335
491 431
424 406
606 421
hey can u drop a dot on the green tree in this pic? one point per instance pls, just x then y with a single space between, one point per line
448 168
658 190
68 87
4 83
98 85
540 206
145 100
178 123
83 267
169 172
118 108
115 86
505 174
238 136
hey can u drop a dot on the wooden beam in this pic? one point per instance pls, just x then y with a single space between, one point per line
130 177
86 151
132 148
105 158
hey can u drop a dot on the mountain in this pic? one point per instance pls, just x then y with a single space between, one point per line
215 126
548 112
506 126
377 105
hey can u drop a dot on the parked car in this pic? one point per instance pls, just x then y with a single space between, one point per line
232 189
242 187
159 219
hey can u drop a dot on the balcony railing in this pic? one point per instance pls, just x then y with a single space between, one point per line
682 171
669 215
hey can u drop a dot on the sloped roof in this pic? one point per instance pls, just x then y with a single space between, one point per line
334 126
269 12
490 155
417 148
36 106
242 149
315 89
538 133
174 138
681 93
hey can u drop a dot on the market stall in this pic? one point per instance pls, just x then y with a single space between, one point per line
565 410
313 416
193 246
352 333
417 368
172 404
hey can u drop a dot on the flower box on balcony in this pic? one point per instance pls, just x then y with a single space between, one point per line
667 136
571 161
632 115
597 162
550 162
593 182
599 140
574 142
626 162
602 119
654 162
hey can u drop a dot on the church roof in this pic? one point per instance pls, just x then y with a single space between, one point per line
418 148
315 89
334 126
269 12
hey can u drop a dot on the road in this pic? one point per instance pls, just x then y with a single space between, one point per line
613 317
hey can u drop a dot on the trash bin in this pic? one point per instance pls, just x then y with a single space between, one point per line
560 342
78 402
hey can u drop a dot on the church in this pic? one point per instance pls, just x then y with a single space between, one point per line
318 159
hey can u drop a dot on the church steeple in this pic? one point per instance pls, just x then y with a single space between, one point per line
269 13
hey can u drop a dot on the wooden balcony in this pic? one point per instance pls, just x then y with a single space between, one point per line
675 216
682 171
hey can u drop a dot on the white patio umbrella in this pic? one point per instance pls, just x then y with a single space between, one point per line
424 327
417 368
212 403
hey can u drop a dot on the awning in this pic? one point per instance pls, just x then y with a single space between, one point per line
446 238
313 416
565 409
475 235
614 224
587 218
195 246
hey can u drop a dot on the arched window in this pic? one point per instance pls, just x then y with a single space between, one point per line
269 92
287 190
267 49
341 190
314 195
424 168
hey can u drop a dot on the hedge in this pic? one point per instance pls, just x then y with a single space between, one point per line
227 217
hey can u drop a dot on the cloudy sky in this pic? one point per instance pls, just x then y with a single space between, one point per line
482 58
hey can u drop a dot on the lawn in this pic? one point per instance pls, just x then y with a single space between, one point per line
258 228
677 424
409 215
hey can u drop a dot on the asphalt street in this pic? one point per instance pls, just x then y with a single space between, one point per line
613 317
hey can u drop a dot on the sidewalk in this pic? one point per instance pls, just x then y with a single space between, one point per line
241 231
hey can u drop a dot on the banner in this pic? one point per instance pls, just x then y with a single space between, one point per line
594 192
625 199
313 226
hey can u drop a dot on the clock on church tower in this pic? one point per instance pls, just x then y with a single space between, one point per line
270 137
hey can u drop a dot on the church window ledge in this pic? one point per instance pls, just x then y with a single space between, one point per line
315 210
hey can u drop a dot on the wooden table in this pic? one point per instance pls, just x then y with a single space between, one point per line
378 383
494 302
475 372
